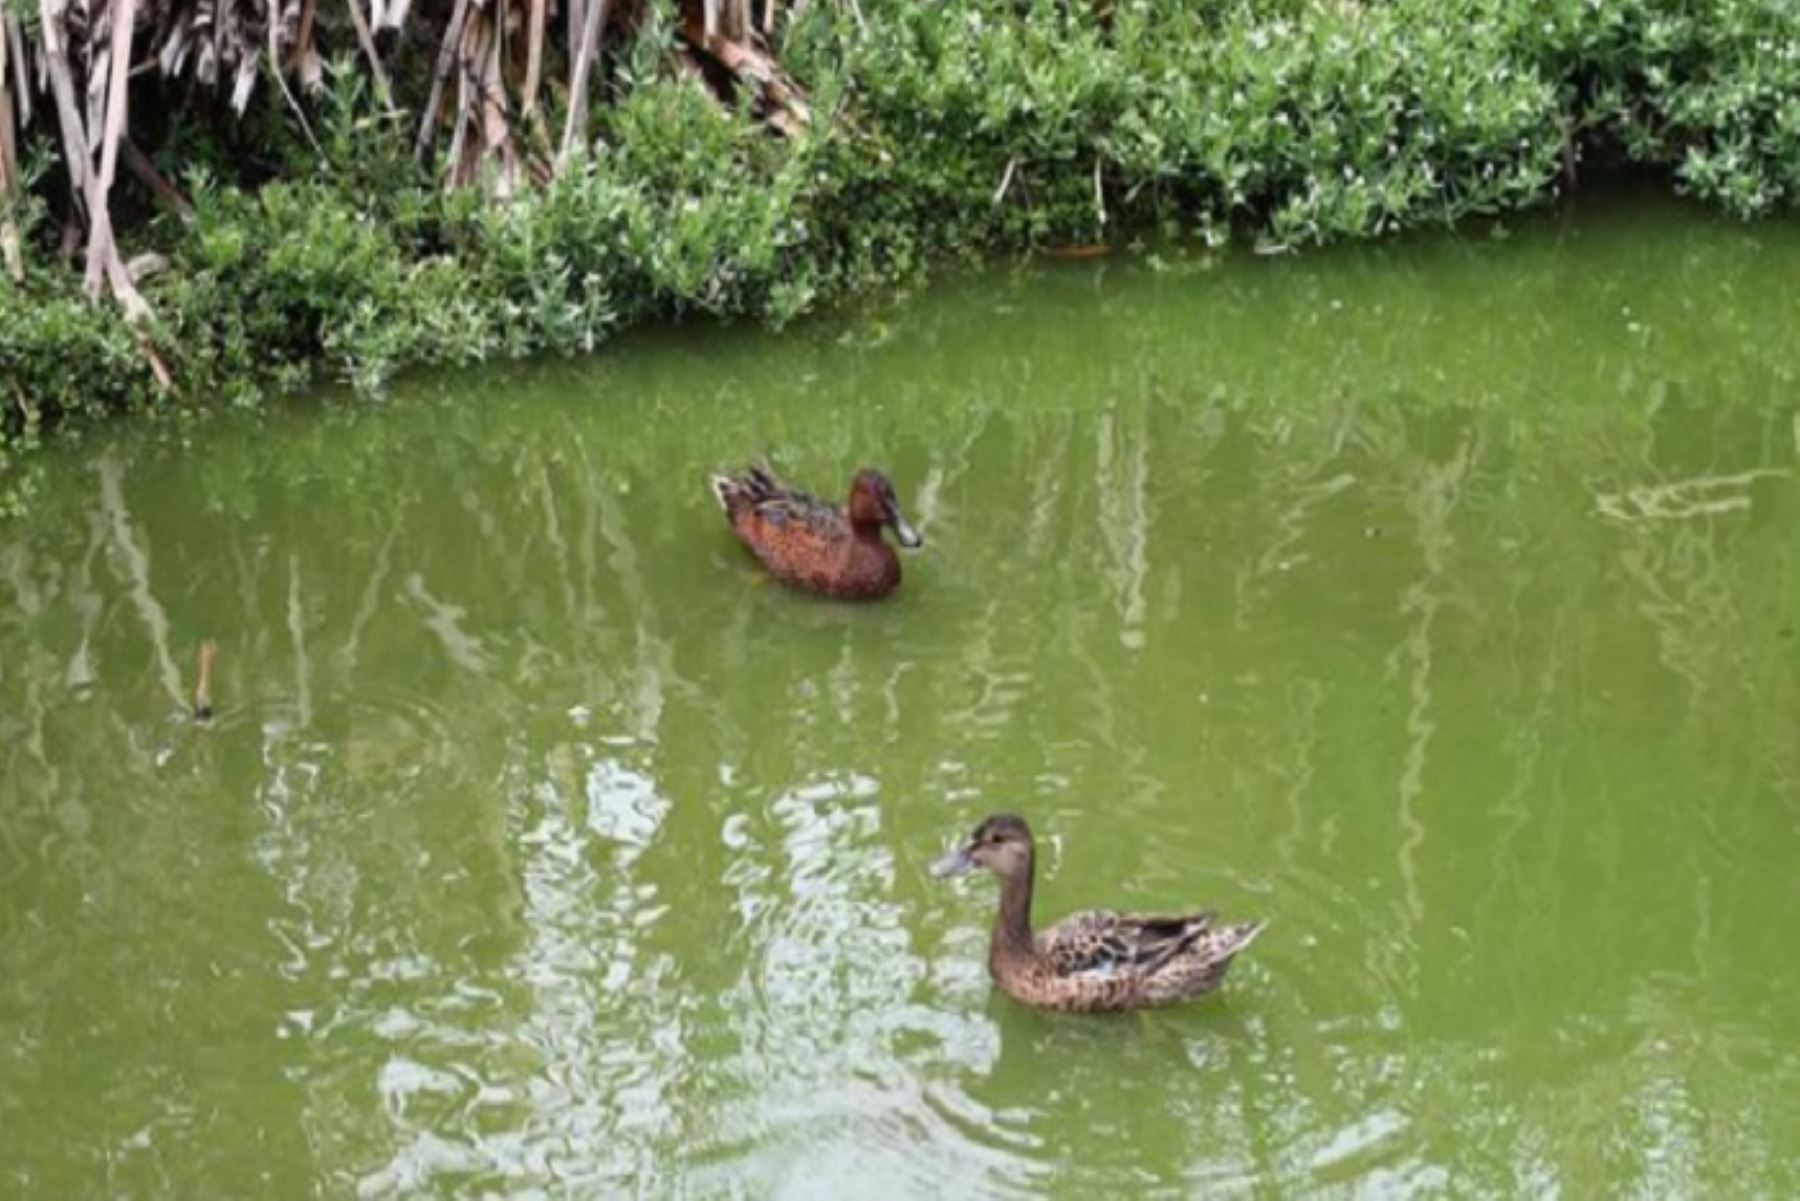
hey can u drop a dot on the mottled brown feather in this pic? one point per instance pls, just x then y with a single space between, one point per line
1097 960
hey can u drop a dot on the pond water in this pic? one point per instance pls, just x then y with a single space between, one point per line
1438 601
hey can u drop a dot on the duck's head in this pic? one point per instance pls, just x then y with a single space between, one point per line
873 503
1002 844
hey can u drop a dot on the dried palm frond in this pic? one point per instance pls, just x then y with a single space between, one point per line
485 86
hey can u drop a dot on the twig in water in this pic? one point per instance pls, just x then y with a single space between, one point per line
203 709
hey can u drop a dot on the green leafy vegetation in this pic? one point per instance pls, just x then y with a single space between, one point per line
330 251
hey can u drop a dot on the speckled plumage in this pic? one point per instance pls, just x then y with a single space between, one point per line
1097 960
812 544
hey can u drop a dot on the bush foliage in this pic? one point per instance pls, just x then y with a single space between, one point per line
938 129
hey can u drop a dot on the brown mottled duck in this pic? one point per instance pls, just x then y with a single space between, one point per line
1095 961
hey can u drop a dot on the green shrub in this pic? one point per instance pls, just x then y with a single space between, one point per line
939 130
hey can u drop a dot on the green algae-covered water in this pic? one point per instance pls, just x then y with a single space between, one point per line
1438 601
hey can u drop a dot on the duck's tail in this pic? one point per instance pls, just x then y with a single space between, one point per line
1235 938
734 492
1203 966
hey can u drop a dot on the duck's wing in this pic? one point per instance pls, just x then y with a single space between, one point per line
800 513
759 494
1202 964
1107 943
745 489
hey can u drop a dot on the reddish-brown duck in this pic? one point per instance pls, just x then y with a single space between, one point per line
812 544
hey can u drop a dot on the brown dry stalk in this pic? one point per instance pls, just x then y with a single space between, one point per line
9 175
459 128
303 58
274 28
9 229
100 240
15 42
534 57
446 59
593 27
496 136
158 185
384 90
158 369
62 89
82 177
787 109
82 51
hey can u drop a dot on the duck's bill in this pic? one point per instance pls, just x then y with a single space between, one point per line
907 536
954 864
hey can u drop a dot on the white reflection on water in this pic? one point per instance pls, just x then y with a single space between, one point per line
134 550
445 620
828 1026
566 1080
